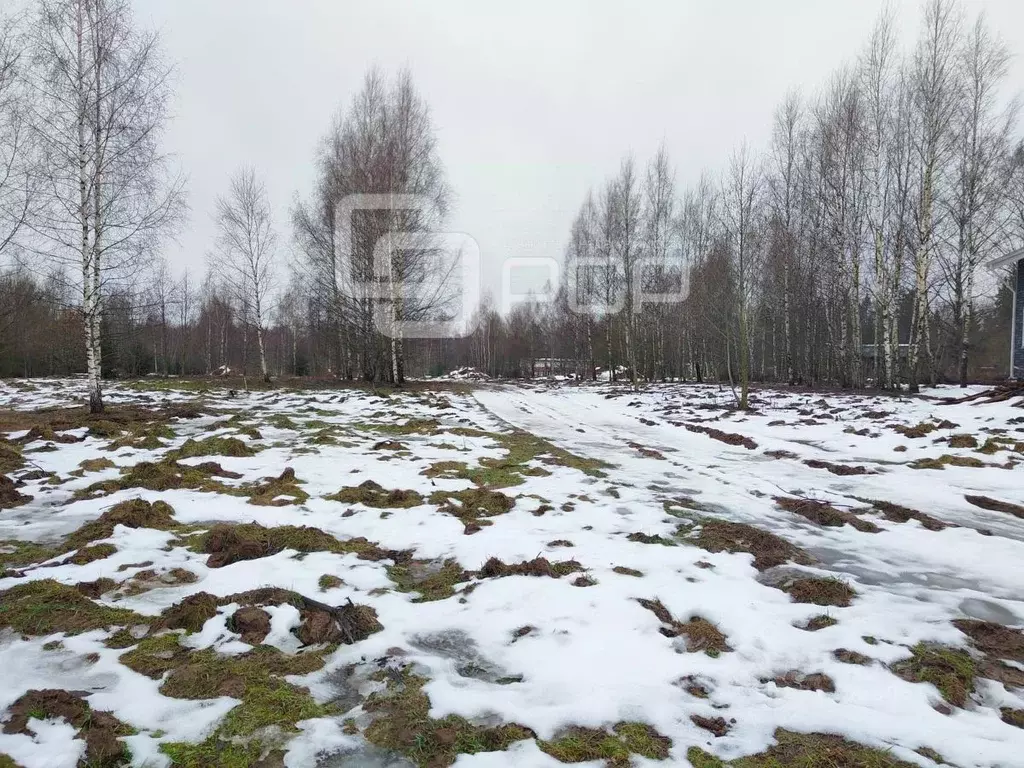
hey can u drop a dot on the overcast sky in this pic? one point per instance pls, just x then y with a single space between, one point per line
534 102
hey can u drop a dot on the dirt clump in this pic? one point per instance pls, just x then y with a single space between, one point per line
252 623
626 571
824 514
963 441
780 453
768 549
994 505
388 445
818 622
899 514
348 623
1012 716
729 438
9 495
847 656
816 681
717 725
94 589
997 643
189 614
226 543
99 730
838 469
698 633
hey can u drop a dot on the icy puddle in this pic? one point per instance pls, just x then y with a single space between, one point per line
514 576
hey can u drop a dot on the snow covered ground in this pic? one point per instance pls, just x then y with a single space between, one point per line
556 574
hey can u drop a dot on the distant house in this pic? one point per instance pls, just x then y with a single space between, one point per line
1014 259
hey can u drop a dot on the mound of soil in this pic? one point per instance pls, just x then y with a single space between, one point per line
99 729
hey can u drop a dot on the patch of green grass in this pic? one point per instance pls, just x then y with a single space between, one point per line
644 538
948 460
700 759
277 491
447 470
579 745
370 494
143 436
418 576
133 513
256 679
951 670
213 446
624 571
414 426
10 457
1011 716
818 591
512 469
329 581
46 606
154 656
402 724
472 506
14 553
280 421
213 751
814 750
91 554
768 549
228 543
96 465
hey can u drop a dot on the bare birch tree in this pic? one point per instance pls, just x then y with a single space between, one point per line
15 187
981 153
100 94
246 244
936 96
740 210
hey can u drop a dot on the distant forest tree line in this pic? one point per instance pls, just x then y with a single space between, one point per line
849 252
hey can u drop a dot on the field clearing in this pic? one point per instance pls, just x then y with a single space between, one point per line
526 575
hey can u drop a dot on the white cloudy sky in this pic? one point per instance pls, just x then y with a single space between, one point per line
533 101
